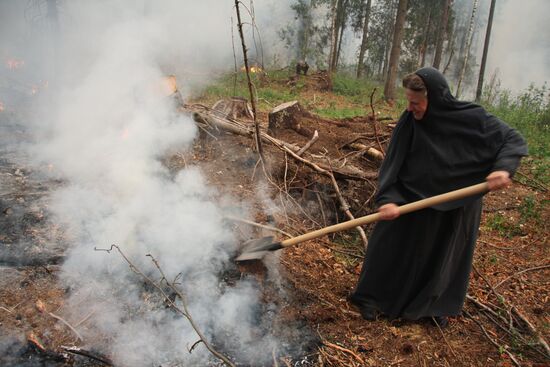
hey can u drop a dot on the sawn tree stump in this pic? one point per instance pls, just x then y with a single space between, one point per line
287 116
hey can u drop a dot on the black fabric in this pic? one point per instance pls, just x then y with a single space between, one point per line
418 264
456 144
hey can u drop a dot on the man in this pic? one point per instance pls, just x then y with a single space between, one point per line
417 265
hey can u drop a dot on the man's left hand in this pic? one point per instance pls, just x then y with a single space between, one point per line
498 180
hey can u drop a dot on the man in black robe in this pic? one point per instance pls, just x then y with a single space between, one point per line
418 264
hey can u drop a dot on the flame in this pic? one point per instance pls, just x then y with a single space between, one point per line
169 85
14 64
34 89
253 69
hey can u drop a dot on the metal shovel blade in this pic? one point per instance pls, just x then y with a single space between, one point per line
258 248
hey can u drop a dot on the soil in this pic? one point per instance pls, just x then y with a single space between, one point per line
511 259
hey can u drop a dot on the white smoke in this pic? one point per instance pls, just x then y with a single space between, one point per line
103 130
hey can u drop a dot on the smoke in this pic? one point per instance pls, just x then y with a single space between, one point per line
103 127
519 47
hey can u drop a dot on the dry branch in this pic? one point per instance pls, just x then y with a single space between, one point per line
184 312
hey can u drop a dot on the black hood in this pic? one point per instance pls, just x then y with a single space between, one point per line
456 144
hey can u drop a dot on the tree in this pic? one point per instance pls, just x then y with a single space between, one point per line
485 51
469 38
389 88
364 39
441 34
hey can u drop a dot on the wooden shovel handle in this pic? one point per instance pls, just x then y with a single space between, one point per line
480 188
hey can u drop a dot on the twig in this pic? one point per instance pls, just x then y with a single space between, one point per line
497 247
335 346
171 302
345 208
540 184
85 318
521 272
533 330
444 338
252 98
273 229
374 124
81 352
308 144
5 309
67 324
499 347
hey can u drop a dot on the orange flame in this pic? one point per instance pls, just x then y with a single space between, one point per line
169 85
253 69
13 64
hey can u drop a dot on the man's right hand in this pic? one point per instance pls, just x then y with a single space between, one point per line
388 211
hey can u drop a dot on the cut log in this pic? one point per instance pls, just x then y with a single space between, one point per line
209 119
287 116
371 152
234 108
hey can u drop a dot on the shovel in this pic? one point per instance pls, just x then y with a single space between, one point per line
256 249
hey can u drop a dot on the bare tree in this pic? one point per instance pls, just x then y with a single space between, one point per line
469 38
485 51
389 88
364 39
441 34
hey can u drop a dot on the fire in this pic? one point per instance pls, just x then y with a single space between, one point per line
169 85
253 69
1 106
13 64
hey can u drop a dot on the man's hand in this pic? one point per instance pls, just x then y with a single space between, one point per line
498 180
388 211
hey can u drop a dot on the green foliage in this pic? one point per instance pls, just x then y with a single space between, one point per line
339 113
529 112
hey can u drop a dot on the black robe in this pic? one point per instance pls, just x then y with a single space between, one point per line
418 265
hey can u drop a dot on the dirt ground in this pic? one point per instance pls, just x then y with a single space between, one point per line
509 283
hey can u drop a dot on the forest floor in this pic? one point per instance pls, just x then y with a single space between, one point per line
508 285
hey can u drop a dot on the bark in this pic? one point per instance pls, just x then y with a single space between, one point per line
441 34
364 39
389 88
469 38
424 46
333 35
485 51
287 116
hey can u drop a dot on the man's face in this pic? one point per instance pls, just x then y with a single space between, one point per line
417 103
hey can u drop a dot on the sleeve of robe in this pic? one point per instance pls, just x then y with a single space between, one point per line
512 149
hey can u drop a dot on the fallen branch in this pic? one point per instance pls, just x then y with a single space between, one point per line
345 350
269 228
521 272
309 143
67 324
171 302
500 348
533 330
81 352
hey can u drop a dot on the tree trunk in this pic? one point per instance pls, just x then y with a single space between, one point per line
389 88
441 34
485 51
333 36
424 46
470 36
342 26
364 40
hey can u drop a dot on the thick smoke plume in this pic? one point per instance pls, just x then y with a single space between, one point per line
103 129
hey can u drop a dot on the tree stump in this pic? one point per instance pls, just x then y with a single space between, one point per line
287 116
236 108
